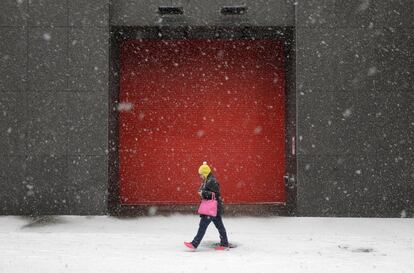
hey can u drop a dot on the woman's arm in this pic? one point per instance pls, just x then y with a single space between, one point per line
210 187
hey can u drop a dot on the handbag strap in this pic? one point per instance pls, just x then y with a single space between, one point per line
213 195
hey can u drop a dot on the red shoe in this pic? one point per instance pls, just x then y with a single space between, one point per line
189 245
221 247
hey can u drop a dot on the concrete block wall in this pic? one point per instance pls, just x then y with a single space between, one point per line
354 100
355 108
202 13
53 101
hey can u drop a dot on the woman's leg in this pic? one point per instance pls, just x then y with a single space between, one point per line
204 222
218 222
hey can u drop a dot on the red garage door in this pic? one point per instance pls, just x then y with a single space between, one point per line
188 101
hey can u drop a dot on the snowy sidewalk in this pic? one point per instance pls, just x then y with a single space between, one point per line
155 244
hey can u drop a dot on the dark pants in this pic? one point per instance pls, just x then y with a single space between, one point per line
204 222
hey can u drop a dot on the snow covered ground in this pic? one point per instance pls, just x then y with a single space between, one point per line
155 244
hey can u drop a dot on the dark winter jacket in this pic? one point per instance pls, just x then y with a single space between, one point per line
209 186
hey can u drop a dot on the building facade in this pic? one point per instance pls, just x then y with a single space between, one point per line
348 100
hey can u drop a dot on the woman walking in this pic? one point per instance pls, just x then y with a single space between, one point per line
209 189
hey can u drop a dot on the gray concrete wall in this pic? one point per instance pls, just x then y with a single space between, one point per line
354 99
53 101
355 108
202 13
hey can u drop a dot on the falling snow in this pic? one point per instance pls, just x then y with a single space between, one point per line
47 36
347 113
341 77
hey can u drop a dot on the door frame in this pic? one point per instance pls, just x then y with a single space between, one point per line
118 34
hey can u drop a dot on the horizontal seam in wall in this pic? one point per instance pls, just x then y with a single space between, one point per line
364 28
56 91
53 26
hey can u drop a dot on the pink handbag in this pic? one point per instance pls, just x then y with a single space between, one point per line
208 207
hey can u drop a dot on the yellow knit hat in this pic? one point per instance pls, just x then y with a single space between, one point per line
204 170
